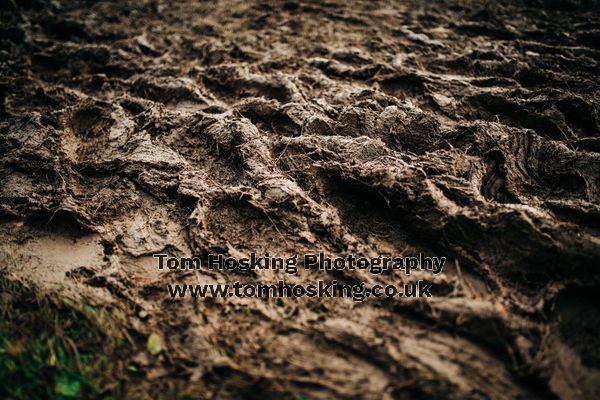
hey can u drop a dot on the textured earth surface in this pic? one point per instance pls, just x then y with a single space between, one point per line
465 129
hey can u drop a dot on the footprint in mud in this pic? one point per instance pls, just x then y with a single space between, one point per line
96 129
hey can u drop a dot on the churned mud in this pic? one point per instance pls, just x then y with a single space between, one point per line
462 129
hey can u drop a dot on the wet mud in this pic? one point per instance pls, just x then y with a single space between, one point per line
463 129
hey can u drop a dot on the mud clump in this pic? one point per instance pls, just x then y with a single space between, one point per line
465 130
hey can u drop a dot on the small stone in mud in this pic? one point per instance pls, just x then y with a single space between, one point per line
441 100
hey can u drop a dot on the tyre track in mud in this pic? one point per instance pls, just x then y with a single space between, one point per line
454 129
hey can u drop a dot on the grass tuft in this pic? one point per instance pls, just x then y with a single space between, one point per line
52 348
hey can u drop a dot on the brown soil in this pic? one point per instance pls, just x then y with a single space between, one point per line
463 129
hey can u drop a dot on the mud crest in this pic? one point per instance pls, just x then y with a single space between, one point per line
463 129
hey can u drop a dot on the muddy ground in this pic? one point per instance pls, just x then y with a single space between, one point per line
464 129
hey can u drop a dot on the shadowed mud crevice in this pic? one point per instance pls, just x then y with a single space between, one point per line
60 222
494 182
578 316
